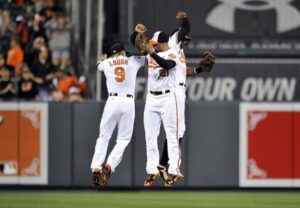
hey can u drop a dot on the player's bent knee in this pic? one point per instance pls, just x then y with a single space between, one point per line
123 140
173 141
103 137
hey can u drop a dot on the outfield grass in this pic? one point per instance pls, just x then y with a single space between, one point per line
145 199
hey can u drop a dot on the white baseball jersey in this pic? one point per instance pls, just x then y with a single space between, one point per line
156 82
181 68
120 72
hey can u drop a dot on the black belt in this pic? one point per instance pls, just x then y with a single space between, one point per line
182 84
159 92
116 94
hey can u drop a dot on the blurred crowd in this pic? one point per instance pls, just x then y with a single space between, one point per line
35 42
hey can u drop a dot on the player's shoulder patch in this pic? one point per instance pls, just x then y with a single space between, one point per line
172 56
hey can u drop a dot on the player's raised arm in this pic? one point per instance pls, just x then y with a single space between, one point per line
139 39
183 27
166 64
100 64
102 58
139 29
205 65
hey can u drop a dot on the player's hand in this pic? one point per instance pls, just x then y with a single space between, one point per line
140 28
102 57
149 49
181 15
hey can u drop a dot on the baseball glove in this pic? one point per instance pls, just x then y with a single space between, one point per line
207 62
141 41
181 15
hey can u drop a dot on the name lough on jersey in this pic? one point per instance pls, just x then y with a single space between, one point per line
118 62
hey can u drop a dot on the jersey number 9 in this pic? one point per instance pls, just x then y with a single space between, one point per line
120 74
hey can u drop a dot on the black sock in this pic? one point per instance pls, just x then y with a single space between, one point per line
180 140
165 157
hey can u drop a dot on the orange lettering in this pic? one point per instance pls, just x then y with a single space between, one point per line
120 74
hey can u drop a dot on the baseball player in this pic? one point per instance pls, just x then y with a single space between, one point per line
161 106
120 71
177 40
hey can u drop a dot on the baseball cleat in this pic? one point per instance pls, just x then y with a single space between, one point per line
172 179
163 172
178 177
149 179
96 176
105 175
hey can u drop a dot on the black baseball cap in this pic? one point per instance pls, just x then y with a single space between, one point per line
117 47
159 37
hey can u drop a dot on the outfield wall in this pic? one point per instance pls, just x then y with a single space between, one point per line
211 153
73 147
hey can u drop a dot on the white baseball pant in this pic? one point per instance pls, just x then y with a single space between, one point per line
162 108
121 111
181 97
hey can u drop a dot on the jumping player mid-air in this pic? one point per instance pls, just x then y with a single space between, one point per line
177 40
161 105
120 71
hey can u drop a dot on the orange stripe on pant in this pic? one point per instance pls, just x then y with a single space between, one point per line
179 150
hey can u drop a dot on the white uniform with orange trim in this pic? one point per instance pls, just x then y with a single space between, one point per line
120 72
180 81
162 108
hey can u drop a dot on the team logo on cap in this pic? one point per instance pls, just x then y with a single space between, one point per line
288 17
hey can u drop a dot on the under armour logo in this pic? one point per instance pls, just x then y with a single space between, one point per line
223 16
